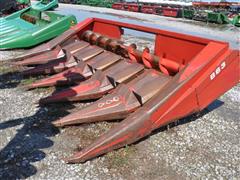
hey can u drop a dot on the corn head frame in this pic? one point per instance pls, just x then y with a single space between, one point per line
146 89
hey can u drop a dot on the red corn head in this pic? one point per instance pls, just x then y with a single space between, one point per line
99 84
201 70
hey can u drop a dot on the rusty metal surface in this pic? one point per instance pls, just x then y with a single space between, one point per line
99 84
47 46
116 105
103 61
93 88
87 53
79 72
81 54
123 71
55 55
51 67
148 84
75 46
70 76
43 58
126 98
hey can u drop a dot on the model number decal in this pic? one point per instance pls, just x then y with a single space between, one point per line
109 101
217 70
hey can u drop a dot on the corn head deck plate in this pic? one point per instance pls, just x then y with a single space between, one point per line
147 89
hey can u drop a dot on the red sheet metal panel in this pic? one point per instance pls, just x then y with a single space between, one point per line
107 29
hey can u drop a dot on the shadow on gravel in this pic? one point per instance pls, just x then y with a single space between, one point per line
10 80
11 76
17 158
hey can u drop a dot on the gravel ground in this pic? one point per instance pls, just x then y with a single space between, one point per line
202 146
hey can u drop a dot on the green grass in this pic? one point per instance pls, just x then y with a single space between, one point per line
27 81
44 90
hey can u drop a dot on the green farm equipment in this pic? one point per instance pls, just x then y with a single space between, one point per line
104 3
206 16
11 6
97 3
188 13
29 27
236 20
44 5
217 17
